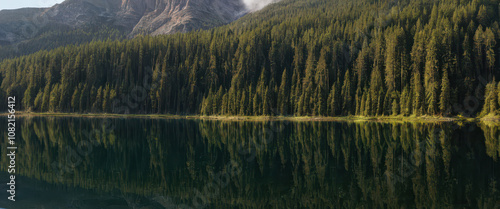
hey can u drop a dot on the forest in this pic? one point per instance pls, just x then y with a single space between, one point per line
296 57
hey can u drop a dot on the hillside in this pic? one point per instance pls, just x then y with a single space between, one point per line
296 57
79 21
153 17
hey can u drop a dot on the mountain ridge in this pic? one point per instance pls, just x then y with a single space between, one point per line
132 17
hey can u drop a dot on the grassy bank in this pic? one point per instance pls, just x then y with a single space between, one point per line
397 118
491 118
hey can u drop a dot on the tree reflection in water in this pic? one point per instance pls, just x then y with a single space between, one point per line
154 163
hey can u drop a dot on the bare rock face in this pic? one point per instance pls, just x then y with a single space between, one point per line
134 17
150 16
170 16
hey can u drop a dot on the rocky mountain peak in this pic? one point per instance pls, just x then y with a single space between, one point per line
132 17
149 16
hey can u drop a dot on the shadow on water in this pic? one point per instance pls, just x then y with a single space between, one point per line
146 163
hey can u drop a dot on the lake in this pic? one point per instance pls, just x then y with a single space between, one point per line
66 162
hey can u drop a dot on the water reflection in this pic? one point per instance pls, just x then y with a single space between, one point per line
147 163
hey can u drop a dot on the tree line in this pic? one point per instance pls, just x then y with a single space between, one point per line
296 57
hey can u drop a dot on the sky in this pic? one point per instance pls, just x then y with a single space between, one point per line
9 4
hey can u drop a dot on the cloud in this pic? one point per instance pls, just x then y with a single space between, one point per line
254 5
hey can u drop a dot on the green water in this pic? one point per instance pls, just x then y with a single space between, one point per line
148 163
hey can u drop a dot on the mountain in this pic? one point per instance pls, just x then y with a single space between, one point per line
295 57
12 24
34 28
133 16
148 16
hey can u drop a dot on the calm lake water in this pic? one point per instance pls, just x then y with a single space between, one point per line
156 163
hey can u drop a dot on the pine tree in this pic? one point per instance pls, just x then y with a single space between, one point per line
54 98
362 108
358 101
193 83
296 91
98 100
112 99
218 104
29 96
155 86
283 95
75 99
387 103
483 16
444 102
430 76
376 93
308 82
332 101
361 67
213 78
347 94
46 98
256 109
105 99
243 103
224 108
84 97
38 100
380 102
467 66
490 44
321 80
391 62
489 101
406 102
479 49
368 105
266 108
93 99
395 105
493 98
206 108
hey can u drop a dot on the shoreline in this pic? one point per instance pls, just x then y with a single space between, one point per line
398 118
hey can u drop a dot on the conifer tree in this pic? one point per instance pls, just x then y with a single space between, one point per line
376 90
54 98
444 102
38 100
98 100
347 94
332 101
75 99
283 95
105 99
46 98
430 76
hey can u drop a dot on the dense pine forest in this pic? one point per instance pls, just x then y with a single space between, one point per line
296 57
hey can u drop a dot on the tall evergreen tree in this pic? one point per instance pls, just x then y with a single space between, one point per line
444 102
430 76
